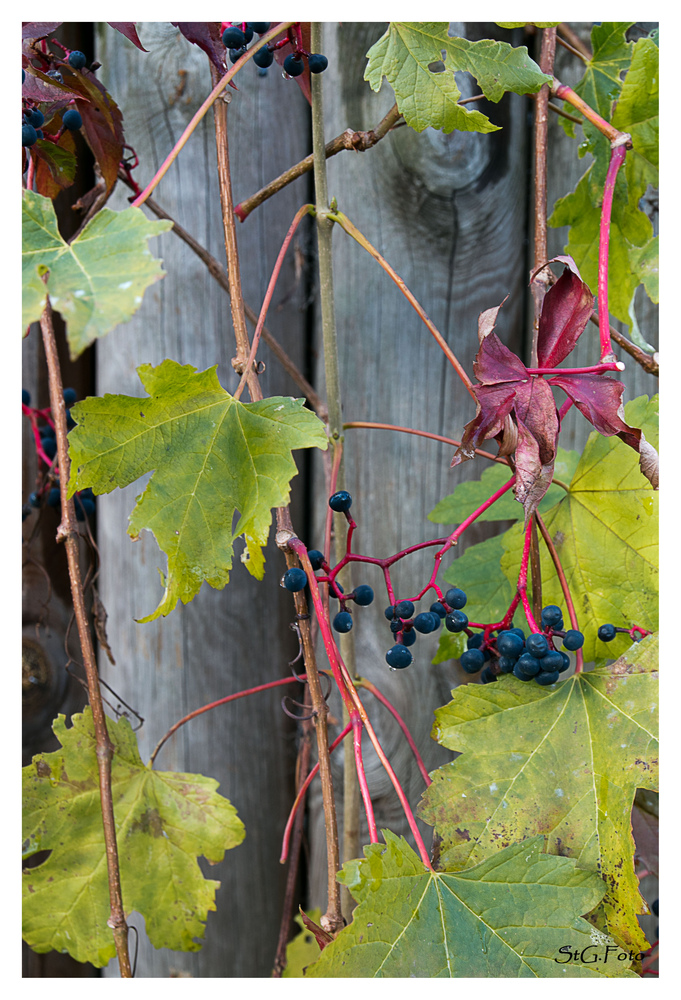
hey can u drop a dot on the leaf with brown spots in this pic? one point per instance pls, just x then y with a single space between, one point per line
164 821
563 761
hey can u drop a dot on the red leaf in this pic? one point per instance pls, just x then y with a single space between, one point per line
128 29
599 399
55 164
495 402
303 80
322 937
535 453
496 363
207 35
38 29
39 87
565 312
102 121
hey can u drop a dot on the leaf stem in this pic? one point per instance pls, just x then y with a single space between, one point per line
218 88
618 154
352 230
300 214
604 366
68 533
566 93
563 584
522 579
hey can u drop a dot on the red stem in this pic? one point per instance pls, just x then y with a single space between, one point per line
222 701
579 657
300 214
522 578
425 434
31 172
616 160
301 794
364 683
608 366
362 778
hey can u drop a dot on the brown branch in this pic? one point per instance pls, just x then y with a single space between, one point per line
574 40
68 533
541 124
564 114
218 272
646 361
357 141
243 345
571 48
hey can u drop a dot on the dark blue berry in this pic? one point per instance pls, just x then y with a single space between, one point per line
340 501
506 664
343 621
317 62
404 609
71 119
28 135
537 644
456 598
46 431
49 447
456 621
248 33
294 66
77 59
409 638
236 54
34 499
607 633
521 675
545 679
566 662
390 612
528 664
426 622
487 676
87 504
472 661
316 558
551 614
35 117
70 396
517 631
364 595
475 641
655 907
263 58
23 76
573 640
260 26
395 626
70 422
398 657
552 661
294 579
25 397
509 644
438 609
25 512
337 592
54 497
233 38
39 132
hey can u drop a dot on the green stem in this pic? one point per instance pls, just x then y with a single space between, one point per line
333 401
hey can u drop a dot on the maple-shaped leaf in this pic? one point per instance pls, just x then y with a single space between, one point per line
213 456
563 761
604 528
129 31
164 822
207 35
507 917
405 54
95 282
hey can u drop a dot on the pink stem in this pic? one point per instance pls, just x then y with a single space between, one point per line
215 92
222 701
362 778
563 410
522 579
301 794
300 214
606 366
402 724
31 173
456 534
616 160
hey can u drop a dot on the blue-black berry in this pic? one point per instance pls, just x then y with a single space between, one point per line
343 621
509 644
364 595
426 622
573 640
550 615
472 661
35 499
70 396
340 502
25 397
545 679
236 54
263 58
398 657
566 662
456 598
395 626
54 497
537 644
337 592
49 447
506 664
607 633
29 136
233 38
553 661
316 558
77 59
317 62
528 664
409 638
487 676
294 66
404 609
260 26
71 119
34 117
439 609
456 621
294 579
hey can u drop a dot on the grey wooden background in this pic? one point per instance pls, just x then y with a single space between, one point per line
451 214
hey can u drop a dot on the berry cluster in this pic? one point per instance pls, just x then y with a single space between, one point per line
47 491
238 34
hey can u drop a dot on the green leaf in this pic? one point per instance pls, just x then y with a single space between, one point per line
521 24
645 262
212 456
164 821
450 647
470 495
563 761
605 529
504 918
95 282
477 573
602 78
426 98
303 950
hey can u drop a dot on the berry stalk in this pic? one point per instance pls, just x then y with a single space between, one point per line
619 152
579 655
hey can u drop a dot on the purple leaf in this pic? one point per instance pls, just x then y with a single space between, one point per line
102 121
39 87
495 402
495 363
565 312
206 34
535 454
38 29
303 80
599 399
128 29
